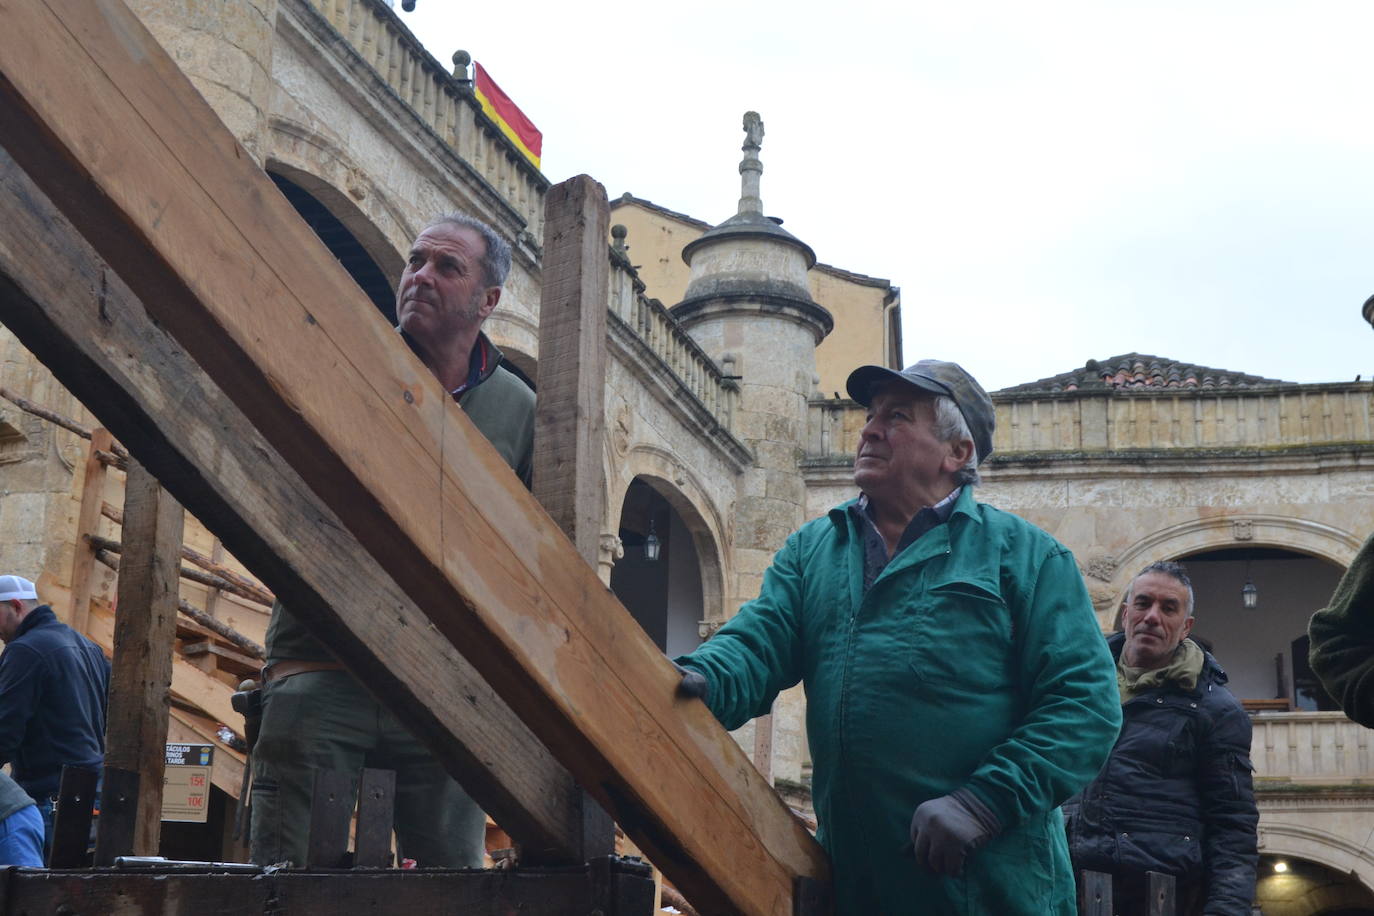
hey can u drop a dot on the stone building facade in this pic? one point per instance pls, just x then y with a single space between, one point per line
724 427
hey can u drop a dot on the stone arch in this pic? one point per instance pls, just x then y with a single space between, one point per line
1299 535
1344 855
517 334
679 485
1252 530
319 165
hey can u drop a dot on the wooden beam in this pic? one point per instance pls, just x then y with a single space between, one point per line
131 153
82 320
616 888
569 417
141 670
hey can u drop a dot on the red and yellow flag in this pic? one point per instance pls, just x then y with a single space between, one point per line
512 121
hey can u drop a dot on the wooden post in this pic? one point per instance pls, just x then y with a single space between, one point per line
1094 894
71 828
570 412
134 156
1162 894
88 516
141 675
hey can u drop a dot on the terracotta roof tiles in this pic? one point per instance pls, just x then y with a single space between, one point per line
1141 371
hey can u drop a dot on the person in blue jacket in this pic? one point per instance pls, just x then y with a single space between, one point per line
53 691
958 687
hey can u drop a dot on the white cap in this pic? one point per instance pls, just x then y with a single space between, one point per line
16 587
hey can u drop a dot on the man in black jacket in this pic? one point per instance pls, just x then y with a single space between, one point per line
1175 796
53 686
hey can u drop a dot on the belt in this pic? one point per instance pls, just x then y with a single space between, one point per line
290 667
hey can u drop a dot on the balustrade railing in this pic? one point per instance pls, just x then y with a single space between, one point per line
673 347
444 103
1313 415
1311 747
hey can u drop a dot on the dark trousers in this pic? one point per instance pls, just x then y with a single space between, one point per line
325 720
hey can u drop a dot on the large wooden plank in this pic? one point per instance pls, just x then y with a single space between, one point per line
141 672
83 321
103 121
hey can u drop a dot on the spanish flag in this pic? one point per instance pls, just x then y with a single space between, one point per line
512 121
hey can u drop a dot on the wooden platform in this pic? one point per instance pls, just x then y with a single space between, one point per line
612 887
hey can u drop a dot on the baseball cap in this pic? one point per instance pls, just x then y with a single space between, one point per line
16 587
937 377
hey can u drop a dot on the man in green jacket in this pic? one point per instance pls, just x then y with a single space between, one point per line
958 686
316 716
1342 640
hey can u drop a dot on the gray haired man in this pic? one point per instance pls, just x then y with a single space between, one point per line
956 682
316 716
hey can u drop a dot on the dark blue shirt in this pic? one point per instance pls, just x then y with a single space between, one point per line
53 687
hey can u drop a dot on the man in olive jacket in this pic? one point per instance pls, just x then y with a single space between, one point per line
1342 640
958 688
316 716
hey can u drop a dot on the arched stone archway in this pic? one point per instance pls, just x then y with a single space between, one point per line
680 487
319 165
659 576
1315 538
1290 885
1327 833
1110 577
517 334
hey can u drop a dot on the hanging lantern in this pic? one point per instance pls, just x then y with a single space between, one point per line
652 545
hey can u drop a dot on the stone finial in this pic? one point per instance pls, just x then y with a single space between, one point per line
461 59
750 168
618 234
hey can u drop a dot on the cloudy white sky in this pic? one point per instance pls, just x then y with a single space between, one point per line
1047 182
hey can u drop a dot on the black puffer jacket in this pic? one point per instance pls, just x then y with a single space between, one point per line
1175 795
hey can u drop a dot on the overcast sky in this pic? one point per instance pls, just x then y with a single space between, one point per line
1046 182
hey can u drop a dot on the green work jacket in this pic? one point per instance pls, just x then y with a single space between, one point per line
974 661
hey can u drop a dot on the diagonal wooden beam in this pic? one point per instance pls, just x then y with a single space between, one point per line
72 311
104 122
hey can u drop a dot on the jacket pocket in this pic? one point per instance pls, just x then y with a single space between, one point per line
1151 849
961 639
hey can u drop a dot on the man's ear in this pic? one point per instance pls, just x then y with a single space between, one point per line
489 300
1187 628
959 454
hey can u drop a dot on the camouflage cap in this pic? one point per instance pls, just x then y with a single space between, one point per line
937 377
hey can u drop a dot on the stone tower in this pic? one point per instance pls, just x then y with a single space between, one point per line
748 305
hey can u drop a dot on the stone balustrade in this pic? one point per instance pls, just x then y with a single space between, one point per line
1088 421
1311 747
444 103
672 348
1107 421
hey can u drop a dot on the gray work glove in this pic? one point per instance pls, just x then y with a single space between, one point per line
692 683
945 830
